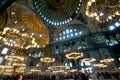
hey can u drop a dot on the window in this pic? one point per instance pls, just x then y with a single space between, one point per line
1 60
67 31
85 63
70 33
4 51
70 30
117 24
76 33
69 64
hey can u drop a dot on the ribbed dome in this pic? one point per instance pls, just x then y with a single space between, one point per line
57 12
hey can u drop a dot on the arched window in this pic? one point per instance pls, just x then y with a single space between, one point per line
69 64
1 60
118 37
113 40
68 33
86 63
4 51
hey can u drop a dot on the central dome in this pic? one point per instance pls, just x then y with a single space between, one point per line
57 12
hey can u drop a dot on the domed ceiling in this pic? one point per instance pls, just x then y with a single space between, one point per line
57 12
25 19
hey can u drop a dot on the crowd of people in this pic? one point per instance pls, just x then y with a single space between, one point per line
80 76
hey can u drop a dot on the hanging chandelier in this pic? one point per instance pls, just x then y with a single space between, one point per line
14 58
74 55
14 38
47 59
35 70
100 65
103 10
24 19
89 59
58 68
19 64
107 60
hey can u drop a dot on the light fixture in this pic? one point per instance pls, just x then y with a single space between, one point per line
6 66
47 59
14 58
58 68
74 55
19 64
35 70
14 38
89 59
102 11
27 22
100 65
72 70
107 60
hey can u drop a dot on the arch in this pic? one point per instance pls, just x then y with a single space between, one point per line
118 37
113 40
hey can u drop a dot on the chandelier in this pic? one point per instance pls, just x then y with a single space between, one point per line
100 65
35 70
47 59
14 58
103 10
72 70
27 21
6 66
89 59
74 55
20 69
58 68
107 60
13 38
19 64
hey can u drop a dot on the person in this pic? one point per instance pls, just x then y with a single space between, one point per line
84 76
93 76
53 77
79 77
20 77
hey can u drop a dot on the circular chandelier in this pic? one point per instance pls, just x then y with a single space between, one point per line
89 59
35 70
72 70
6 66
47 59
107 60
57 12
14 58
74 55
14 38
100 65
58 68
19 64
103 10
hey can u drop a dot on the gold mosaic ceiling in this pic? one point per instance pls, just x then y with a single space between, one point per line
26 20
3 18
